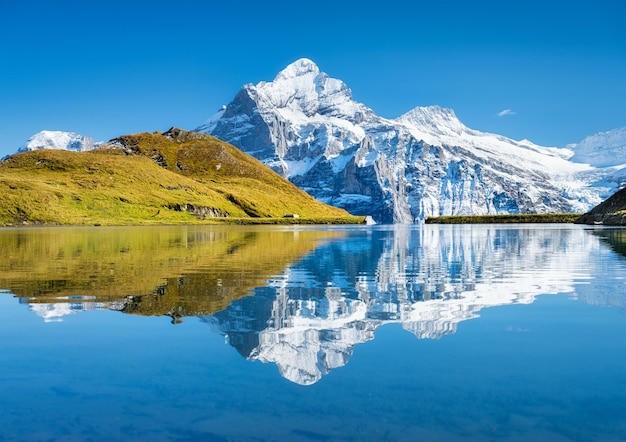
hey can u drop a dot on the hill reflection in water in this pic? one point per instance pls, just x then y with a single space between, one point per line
317 292
174 271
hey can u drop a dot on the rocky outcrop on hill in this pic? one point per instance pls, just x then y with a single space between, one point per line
611 212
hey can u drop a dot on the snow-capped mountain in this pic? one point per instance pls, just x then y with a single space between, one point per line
55 139
602 149
306 126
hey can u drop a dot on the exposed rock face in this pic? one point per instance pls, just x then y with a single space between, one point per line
181 135
200 212
611 212
306 126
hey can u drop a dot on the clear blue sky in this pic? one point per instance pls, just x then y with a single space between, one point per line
107 68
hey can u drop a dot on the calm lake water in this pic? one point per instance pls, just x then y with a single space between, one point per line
401 333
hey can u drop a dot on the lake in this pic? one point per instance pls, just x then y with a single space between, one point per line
338 333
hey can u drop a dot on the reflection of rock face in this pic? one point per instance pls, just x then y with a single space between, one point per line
616 238
309 337
603 291
428 280
309 317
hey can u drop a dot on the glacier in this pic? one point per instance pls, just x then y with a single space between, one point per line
602 149
306 126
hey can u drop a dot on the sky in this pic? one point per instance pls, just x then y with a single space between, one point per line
550 71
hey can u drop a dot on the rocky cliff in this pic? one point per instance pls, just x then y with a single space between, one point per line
305 125
611 212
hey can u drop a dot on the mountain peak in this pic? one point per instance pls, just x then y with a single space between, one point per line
302 87
298 68
306 125
435 119
601 149
56 139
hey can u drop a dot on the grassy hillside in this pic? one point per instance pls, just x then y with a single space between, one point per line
150 178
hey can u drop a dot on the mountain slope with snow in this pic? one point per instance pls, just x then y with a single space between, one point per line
602 149
306 126
55 139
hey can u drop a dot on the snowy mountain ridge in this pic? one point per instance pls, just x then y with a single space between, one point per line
306 126
55 139
601 149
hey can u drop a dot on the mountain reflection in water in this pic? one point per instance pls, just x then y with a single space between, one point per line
174 271
302 298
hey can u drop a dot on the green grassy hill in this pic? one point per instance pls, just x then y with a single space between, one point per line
151 178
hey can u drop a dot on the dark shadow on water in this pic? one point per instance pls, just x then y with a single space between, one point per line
615 238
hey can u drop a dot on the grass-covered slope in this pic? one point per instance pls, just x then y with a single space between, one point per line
150 178
611 212
521 218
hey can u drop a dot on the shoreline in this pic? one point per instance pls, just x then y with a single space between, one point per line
549 218
345 220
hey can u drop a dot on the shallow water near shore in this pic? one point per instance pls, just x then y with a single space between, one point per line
264 333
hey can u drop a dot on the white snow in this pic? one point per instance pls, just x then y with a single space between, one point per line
296 168
437 126
312 119
54 139
309 338
209 125
351 199
603 149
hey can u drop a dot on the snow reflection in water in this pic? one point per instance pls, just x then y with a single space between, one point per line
546 367
308 317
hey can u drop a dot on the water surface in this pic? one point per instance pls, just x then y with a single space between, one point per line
313 334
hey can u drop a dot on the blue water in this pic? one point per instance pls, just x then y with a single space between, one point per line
434 333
